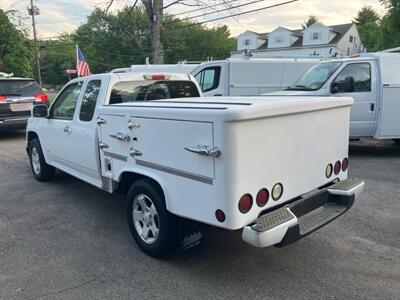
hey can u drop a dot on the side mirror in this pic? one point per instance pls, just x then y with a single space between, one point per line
40 111
348 85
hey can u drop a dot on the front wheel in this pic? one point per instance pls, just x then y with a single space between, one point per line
40 169
397 141
152 226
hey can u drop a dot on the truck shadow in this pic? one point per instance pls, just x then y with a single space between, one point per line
374 148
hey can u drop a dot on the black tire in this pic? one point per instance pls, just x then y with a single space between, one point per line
397 141
44 172
166 236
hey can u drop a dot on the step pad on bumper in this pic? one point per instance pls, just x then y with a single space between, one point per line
320 216
273 219
345 185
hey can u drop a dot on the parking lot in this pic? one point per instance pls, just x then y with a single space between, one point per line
67 239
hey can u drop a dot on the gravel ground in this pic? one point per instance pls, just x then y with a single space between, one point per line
68 240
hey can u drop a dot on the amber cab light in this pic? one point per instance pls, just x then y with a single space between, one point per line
337 167
262 197
345 164
245 203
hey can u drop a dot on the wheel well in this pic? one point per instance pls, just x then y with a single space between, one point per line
128 178
32 135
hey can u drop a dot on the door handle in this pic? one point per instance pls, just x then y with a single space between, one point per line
218 95
372 107
204 150
121 137
67 129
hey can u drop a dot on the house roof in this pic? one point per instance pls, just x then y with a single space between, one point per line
340 31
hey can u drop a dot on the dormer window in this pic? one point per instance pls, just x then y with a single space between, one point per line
279 39
315 36
247 42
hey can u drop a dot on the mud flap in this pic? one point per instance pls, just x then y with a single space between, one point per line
190 237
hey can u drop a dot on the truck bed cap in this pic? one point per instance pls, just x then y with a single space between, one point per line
243 107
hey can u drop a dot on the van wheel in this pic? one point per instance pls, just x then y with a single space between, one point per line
397 141
40 169
151 225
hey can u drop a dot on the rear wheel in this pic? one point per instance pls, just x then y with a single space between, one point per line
151 225
397 141
40 169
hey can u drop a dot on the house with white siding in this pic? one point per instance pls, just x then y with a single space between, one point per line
315 40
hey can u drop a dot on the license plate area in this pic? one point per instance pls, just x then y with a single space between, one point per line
24 106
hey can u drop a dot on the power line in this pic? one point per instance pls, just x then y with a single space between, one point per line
202 8
239 14
217 11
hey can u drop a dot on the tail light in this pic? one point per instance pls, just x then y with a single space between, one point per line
3 98
345 164
329 170
156 76
41 97
262 197
220 215
277 191
245 203
337 167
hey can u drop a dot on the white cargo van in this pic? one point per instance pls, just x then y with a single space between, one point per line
248 76
371 79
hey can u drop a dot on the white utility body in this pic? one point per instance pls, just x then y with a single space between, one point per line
275 167
250 76
372 80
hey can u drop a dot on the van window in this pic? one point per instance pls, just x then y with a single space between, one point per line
208 78
148 90
361 74
89 100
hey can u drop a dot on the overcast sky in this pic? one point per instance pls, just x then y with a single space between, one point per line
58 16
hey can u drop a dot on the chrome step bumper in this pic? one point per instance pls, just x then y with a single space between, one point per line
290 223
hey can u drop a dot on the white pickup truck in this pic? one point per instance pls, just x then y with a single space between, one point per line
275 168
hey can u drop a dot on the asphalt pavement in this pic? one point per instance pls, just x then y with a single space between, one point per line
65 239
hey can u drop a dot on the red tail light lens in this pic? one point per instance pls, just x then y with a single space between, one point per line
337 168
262 197
41 97
245 203
345 164
156 76
3 98
220 215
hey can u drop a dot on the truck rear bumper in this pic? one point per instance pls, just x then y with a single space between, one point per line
14 123
292 222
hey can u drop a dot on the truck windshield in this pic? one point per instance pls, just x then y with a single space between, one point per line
315 77
148 90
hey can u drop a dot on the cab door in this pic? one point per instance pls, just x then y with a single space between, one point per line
358 80
212 79
85 137
59 129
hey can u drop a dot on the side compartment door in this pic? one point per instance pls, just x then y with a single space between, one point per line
358 80
389 126
59 131
160 144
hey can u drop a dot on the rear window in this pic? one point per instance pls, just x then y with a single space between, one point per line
148 90
19 88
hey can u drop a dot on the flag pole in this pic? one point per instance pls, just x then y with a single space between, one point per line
77 59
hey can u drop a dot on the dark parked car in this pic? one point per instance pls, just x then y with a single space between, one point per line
17 96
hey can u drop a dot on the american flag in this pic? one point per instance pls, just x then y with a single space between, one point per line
81 65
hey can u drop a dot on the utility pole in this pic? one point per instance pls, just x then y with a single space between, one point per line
34 11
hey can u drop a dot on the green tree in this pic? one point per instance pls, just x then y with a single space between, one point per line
367 21
366 15
309 21
15 49
390 24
